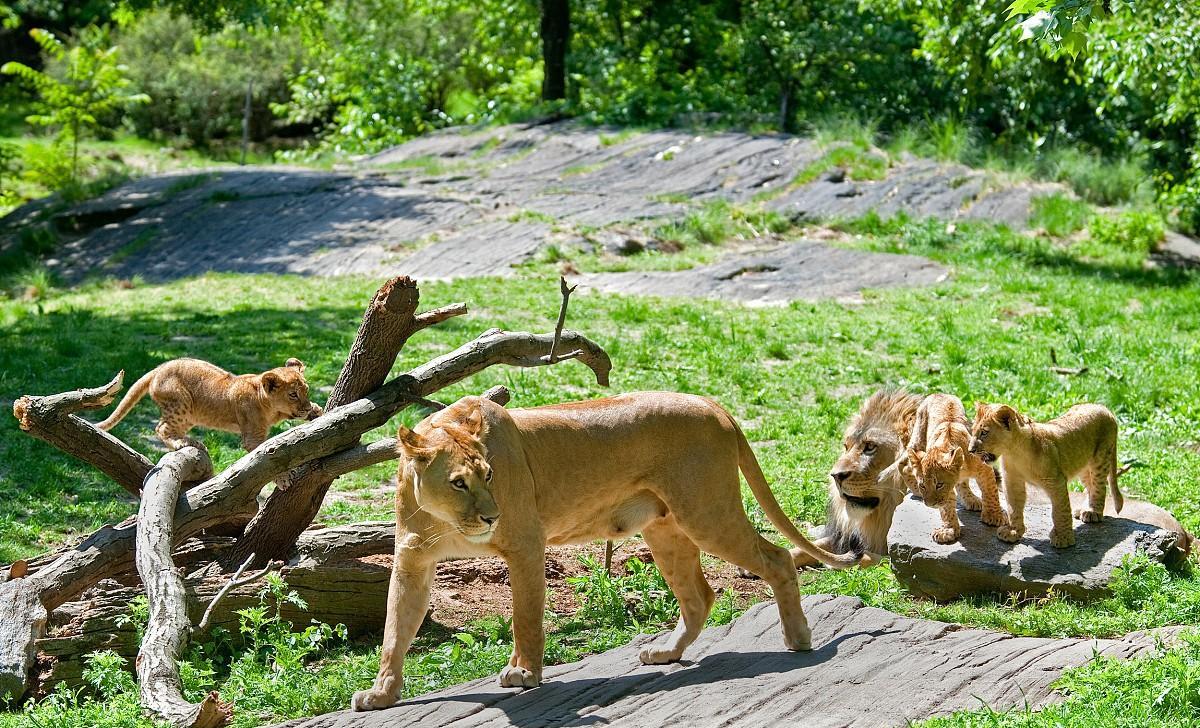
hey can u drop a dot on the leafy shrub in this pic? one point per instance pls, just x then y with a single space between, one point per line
199 80
1125 239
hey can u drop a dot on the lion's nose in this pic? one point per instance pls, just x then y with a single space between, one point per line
840 475
489 520
973 445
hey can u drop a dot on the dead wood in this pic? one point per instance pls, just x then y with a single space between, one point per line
168 628
52 419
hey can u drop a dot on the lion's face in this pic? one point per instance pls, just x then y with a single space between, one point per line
453 479
855 475
993 430
934 474
286 391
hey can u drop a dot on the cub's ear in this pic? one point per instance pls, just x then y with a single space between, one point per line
1007 416
295 363
957 457
271 381
980 408
413 446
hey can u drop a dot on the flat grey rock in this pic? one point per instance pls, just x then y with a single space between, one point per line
471 202
868 667
806 271
980 563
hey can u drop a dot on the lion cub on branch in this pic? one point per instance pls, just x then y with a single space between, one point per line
1082 442
479 480
936 464
190 392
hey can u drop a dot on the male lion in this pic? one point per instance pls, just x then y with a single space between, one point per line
862 497
192 392
478 480
1081 442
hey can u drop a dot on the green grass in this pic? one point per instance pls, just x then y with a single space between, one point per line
1059 214
984 333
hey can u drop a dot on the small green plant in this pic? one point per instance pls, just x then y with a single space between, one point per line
1059 214
1125 239
92 86
640 598
10 155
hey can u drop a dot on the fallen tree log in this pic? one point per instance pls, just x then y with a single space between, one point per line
167 629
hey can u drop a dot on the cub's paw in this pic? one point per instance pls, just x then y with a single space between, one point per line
1062 538
1009 534
993 518
1087 515
658 655
372 699
970 502
515 676
945 535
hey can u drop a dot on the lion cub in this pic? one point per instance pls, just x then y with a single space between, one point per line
1082 442
936 464
191 392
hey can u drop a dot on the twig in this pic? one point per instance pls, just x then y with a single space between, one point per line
235 581
1069 371
1130 465
608 554
562 319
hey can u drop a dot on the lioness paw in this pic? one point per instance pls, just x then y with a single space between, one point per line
1089 516
372 699
1009 534
945 535
1062 538
515 676
658 655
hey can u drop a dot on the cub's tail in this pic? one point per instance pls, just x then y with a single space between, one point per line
131 398
766 499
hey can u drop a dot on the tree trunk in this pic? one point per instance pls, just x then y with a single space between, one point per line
556 40
388 323
167 631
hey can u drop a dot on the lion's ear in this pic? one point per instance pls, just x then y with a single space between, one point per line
473 422
271 381
413 446
295 363
1006 416
957 457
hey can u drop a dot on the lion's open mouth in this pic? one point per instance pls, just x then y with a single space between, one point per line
986 456
860 502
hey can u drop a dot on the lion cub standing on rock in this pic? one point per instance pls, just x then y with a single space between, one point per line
1081 442
191 392
936 464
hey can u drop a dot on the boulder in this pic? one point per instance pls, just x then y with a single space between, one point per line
980 563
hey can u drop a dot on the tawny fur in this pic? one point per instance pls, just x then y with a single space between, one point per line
861 505
1080 443
191 392
479 480
936 466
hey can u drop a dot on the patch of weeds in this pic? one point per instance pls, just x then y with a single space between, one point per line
637 599
526 215
576 170
846 129
1101 181
425 164
219 196
858 164
139 243
183 184
1126 238
671 198
487 146
1059 214
609 140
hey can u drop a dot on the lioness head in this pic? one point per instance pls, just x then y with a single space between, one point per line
452 477
286 391
934 474
993 430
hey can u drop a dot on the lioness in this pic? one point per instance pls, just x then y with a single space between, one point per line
1081 442
476 479
191 392
936 464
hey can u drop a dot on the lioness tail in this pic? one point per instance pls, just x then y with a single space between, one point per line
131 398
766 500
1113 490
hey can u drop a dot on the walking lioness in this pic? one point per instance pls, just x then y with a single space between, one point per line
1081 442
476 479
